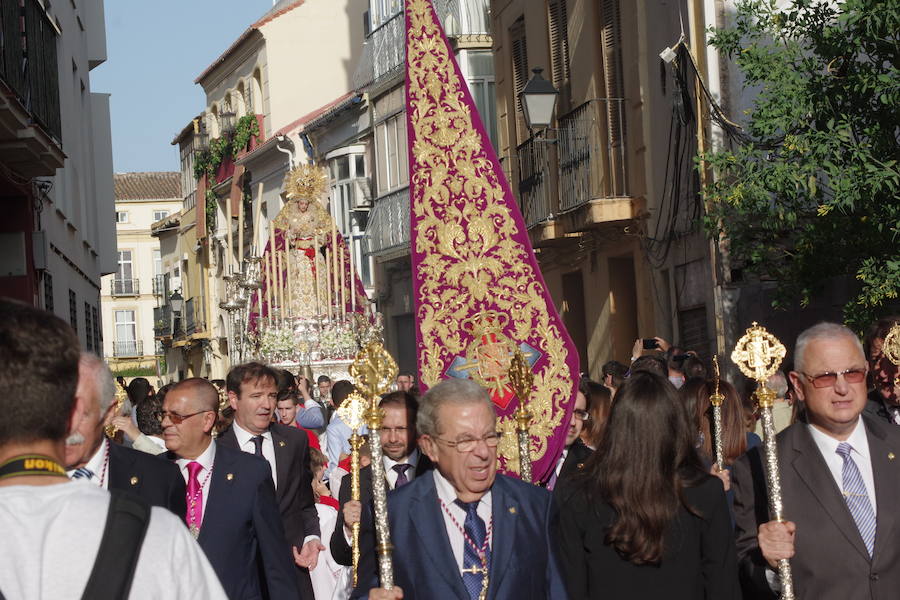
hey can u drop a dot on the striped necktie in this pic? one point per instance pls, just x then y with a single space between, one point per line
83 473
857 497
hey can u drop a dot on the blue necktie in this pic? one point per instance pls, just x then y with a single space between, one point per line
83 473
857 497
401 470
257 441
476 532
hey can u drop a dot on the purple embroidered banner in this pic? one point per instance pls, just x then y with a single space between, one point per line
478 289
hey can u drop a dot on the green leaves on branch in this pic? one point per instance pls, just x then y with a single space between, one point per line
816 194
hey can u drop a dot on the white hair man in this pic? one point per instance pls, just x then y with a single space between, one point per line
839 481
465 526
92 458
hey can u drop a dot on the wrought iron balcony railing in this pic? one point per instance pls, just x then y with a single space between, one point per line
592 159
161 285
534 181
128 348
125 287
389 223
193 316
162 321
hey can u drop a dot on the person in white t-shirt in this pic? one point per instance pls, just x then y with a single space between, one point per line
52 526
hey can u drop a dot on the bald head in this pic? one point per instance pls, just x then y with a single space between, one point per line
203 394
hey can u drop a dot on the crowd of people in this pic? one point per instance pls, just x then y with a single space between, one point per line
239 488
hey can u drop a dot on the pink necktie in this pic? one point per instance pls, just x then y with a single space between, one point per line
194 494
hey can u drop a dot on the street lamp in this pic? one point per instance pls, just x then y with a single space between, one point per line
177 302
538 99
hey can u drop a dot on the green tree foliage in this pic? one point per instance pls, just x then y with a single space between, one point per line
811 191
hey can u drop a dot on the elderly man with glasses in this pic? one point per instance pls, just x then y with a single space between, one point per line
231 506
464 531
840 478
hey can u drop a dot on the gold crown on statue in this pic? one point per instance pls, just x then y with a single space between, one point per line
306 181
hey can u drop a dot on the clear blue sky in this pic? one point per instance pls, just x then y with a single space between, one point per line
155 49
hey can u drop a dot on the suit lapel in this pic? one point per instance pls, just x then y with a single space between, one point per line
228 439
283 450
119 468
428 521
219 485
885 473
810 466
504 512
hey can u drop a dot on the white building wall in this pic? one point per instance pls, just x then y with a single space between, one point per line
76 215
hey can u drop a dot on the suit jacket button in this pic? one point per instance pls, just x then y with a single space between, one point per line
134 480
873 576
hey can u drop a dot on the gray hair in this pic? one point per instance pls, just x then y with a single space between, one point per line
104 384
820 331
778 383
449 391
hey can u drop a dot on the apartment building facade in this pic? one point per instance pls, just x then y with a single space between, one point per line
611 200
58 235
140 283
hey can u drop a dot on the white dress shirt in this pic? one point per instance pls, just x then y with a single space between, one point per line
245 443
391 475
204 475
860 454
447 494
98 465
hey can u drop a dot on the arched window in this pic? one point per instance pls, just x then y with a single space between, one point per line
238 101
256 93
214 122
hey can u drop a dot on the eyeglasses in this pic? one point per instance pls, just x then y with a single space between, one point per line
828 379
468 444
397 430
581 414
175 417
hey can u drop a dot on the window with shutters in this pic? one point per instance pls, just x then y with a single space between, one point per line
48 292
73 311
611 39
558 19
519 47
88 329
98 339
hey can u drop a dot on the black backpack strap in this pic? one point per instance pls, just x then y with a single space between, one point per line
126 525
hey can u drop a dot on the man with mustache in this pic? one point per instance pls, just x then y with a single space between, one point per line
253 392
463 531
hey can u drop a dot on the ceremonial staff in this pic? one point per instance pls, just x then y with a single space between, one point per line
521 377
111 430
759 354
374 371
716 400
352 412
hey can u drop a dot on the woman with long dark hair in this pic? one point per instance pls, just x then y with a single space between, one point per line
599 403
643 519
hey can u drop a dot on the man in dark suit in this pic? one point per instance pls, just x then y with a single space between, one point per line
463 528
575 452
253 393
231 506
92 457
839 481
402 461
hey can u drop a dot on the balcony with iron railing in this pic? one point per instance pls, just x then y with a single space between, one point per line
193 316
383 54
388 229
30 122
125 287
161 285
162 321
128 348
592 159
576 176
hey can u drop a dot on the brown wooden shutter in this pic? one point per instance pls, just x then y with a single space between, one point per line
558 19
519 47
611 38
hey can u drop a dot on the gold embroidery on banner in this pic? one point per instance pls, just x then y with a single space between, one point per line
470 261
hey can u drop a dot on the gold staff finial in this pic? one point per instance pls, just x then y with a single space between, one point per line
891 349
